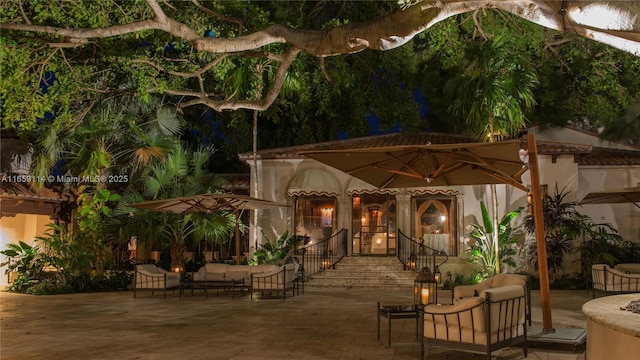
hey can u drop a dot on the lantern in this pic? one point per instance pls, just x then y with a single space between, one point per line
437 274
425 288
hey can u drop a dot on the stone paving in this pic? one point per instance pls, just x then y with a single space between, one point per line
337 324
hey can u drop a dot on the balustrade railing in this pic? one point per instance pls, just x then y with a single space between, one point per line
322 255
415 255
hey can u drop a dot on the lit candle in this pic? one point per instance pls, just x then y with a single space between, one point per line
425 296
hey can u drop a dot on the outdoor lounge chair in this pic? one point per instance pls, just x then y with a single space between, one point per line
612 281
486 323
498 280
153 278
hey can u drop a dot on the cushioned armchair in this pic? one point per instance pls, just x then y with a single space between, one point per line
493 320
613 281
276 281
151 277
498 280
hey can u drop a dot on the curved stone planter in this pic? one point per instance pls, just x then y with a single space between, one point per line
612 333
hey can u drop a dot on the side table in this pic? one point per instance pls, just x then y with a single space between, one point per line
397 312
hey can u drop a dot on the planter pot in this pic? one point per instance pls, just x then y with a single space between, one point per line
155 256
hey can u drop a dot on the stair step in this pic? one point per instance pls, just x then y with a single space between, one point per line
365 272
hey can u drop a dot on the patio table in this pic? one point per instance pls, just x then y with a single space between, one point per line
231 284
397 312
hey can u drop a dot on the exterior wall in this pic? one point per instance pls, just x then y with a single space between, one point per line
559 171
276 175
22 227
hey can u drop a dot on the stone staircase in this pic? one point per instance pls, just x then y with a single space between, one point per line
365 272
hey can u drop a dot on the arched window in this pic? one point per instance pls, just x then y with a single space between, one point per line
434 222
315 217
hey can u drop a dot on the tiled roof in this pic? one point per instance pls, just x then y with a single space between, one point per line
16 190
291 152
236 183
584 154
556 148
611 157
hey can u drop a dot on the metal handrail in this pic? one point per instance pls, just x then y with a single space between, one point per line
415 255
323 255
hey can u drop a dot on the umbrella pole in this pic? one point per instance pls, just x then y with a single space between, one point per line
237 237
543 270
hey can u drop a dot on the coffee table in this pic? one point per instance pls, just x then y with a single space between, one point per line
230 284
397 312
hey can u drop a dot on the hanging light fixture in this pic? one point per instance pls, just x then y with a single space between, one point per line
425 288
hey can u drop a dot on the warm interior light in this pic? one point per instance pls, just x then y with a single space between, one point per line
326 216
443 218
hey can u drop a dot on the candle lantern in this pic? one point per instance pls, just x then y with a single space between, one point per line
425 288
437 274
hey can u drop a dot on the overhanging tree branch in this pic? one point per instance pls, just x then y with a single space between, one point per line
261 104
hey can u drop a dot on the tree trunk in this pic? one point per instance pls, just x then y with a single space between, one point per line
494 195
177 252
255 176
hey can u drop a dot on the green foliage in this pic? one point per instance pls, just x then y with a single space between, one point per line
459 279
27 261
562 225
181 173
59 263
602 244
581 82
277 253
492 89
483 249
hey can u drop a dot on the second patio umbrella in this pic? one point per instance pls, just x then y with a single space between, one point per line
210 203
617 196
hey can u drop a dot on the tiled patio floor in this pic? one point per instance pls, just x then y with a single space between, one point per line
333 324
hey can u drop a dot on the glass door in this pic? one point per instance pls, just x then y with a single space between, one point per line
374 223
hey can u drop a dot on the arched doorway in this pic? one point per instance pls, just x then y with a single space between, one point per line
374 224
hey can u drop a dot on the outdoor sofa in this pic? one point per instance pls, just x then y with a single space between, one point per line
153 278
493 320
271 279
222 271
613 281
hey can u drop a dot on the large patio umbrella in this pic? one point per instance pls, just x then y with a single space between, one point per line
210 203
429 164
617 196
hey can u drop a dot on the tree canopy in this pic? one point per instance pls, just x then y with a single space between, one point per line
281 58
